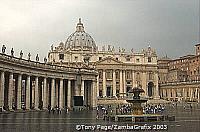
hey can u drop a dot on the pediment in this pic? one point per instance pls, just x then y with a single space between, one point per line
108 60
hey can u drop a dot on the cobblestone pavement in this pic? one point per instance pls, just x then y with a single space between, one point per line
187 120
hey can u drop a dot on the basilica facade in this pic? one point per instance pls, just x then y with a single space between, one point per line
118 70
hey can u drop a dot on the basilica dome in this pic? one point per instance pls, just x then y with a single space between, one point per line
80 40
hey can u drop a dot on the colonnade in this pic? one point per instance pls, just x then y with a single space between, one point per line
27 91
181 94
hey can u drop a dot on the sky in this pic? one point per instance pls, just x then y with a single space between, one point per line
171 27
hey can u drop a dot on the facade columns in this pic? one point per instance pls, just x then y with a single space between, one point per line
114 83
53 92
69 94
2 87
36 93
124 81
45 93
28 83
19 92
61 97
104 83
120 82
133 79
10 91
144 83
156 89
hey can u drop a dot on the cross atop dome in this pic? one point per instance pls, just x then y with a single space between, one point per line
80 27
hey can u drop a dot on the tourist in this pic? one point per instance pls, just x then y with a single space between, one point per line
53 110
49 109
67 110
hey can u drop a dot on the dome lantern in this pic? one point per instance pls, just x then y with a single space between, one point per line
80 27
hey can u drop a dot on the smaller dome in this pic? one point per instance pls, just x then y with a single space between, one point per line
80 40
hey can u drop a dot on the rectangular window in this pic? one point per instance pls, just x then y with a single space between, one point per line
76 58
100 93
128 82
128 75
100 74
100 58
137 60
117 74
108 74
128 59
61 56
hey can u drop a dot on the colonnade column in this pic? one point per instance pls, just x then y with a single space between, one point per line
45 91
28 92
191 94
168 94
93 90
196 93
36 94
19 92
124 81
114 83
2 87
56 93
69 94
98 86
53 92
165 93
82 88
61 97
104 83
10 91
120 82
183 94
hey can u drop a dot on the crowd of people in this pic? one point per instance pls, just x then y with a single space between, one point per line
56 109
108 110
153 109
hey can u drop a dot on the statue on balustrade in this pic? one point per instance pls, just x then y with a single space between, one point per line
29 56
37 57
12 52
3 49
45 60
21 54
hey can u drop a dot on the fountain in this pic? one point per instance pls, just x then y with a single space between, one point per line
136 101
137 115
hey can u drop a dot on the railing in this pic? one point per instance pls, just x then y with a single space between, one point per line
179 83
